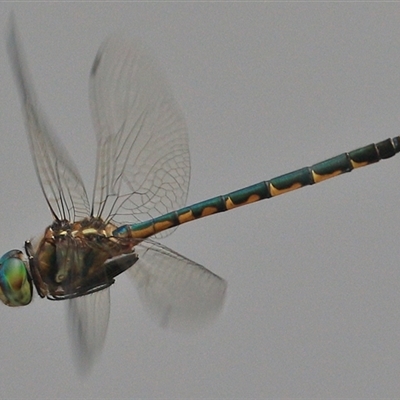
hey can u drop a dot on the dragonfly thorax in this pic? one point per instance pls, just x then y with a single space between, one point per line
70 259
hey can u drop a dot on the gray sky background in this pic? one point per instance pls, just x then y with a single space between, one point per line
313 307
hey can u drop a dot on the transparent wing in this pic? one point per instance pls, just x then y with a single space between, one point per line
88 320
143 164
59 179
178 292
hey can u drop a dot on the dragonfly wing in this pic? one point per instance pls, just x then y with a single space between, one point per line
88 320
178 292
59 179
143 164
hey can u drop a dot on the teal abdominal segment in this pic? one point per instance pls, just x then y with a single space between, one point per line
316 173
15 281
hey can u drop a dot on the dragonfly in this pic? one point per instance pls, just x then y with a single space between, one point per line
141 186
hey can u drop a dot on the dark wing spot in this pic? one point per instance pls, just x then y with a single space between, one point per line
96 63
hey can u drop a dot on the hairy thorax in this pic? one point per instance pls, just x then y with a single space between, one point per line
73 259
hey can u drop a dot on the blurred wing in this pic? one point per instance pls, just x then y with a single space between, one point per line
59 179
87 321
178 292
143 165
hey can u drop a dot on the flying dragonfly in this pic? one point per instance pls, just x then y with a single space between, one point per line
141 186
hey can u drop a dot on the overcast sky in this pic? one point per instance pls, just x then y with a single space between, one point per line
313 306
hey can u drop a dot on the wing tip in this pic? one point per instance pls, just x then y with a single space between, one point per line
96 63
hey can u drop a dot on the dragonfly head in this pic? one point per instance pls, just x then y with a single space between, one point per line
15 280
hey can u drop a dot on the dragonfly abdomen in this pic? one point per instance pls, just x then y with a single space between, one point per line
316 173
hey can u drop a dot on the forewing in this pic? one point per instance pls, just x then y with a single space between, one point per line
143 164
87 321
178 292
59 179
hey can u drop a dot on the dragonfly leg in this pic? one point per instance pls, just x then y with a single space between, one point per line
103 279
105 276
40 286
118 265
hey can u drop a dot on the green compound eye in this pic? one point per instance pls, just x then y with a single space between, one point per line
15 281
